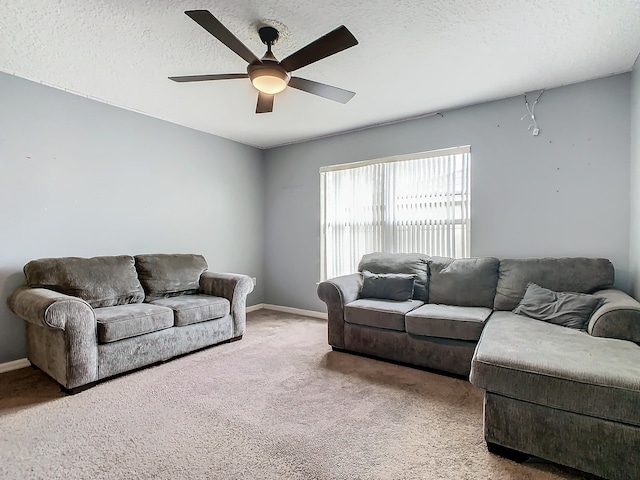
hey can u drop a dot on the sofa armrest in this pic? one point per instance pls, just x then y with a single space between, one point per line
336 293
235 288
46 308
64 323
618 317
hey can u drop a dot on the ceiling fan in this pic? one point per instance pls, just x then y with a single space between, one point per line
267 74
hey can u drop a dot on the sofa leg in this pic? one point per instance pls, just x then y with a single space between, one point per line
507 452
235 339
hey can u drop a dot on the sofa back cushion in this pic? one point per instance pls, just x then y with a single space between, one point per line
412 263
464 282
578 275
167 275
100 281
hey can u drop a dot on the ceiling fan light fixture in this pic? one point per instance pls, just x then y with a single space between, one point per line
269 84
268 79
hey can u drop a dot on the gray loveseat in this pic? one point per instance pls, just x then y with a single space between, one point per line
88 319
558 393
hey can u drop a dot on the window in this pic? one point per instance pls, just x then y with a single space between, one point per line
414 203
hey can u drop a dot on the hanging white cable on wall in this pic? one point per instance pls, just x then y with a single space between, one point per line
531 109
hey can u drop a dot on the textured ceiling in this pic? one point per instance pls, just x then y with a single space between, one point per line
414 57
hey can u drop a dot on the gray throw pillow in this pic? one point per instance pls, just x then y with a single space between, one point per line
567 309
387 286
416 264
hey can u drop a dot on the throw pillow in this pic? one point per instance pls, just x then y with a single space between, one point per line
567 309
416 264
387 286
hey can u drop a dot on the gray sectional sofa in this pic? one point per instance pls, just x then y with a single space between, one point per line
567 395
88 319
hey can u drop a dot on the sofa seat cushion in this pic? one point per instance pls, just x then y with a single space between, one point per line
190 309
125 321
447 321
558 367
379 313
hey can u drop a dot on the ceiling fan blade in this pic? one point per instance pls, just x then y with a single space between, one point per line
333 42
316 88
265 103
202 78
211 24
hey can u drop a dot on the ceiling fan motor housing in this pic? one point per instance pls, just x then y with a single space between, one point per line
268 35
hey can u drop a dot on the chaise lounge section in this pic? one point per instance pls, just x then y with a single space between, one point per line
560 394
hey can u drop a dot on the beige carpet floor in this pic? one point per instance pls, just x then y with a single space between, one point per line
278 404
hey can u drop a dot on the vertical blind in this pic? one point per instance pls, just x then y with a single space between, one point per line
414 203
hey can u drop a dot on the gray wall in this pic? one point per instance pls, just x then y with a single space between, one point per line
634 241
563 193
81 178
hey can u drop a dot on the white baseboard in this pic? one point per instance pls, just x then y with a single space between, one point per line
253 308
295 311
14 365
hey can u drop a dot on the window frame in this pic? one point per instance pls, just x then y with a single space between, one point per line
465 149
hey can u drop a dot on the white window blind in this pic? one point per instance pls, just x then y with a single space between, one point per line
414 203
